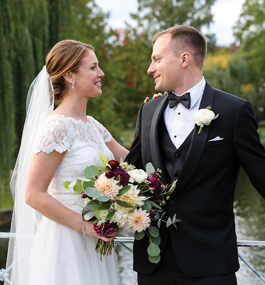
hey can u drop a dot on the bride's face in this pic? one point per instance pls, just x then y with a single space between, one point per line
88 77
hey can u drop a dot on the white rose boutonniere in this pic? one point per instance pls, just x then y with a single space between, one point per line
204 117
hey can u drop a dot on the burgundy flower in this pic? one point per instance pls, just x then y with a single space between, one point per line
114 164
84 195
152 214
124 176
104 229
157 192
153 178
109 174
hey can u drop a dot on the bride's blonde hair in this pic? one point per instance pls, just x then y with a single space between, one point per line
64 56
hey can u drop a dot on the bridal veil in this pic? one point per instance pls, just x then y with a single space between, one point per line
25 220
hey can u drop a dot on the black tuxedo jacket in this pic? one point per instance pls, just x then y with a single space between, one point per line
205 242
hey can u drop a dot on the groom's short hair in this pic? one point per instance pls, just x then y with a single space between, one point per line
187 37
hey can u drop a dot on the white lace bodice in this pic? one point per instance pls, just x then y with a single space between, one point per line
81 141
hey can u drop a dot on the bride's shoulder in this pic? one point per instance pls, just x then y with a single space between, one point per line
55 122
55 118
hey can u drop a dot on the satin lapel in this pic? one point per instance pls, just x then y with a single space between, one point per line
154 141
196 146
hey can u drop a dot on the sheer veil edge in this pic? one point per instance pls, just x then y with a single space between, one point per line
25 220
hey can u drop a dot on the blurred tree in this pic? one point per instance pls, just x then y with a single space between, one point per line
126 73
28 29
132 49
156 15
226 70
250 32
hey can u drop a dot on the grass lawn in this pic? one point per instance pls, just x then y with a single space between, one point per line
128 137
6 200
262 132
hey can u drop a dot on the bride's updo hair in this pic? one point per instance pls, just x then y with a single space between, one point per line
64 56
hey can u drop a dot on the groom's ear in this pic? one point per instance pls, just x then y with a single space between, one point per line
185 59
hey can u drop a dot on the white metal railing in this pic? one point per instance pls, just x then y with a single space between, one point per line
124 240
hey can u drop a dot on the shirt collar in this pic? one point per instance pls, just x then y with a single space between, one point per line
195 92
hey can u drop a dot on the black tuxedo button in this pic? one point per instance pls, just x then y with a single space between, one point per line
171 202
177 155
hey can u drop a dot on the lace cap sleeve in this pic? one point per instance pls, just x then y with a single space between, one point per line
103 131
54 135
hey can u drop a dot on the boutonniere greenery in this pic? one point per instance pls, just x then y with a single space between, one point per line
204 117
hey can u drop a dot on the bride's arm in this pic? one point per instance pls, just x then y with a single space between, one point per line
41 171
118 150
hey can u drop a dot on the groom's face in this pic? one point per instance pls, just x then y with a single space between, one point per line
166 64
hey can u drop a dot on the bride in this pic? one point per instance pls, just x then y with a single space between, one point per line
53 245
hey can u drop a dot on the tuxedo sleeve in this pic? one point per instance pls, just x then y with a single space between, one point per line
135 155
248 147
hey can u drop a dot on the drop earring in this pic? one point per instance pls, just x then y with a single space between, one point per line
73 84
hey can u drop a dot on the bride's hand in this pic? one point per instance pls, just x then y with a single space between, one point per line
90 231
154 97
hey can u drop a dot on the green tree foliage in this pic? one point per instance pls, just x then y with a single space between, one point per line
132 49
126 73
226 70
250 32
28 29
156 15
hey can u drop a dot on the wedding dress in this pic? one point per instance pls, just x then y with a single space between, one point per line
61 255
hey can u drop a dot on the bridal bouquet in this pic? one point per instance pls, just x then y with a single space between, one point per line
117 195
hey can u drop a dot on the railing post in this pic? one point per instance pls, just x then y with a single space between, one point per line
2 274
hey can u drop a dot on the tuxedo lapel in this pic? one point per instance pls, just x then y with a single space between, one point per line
154 141
196 146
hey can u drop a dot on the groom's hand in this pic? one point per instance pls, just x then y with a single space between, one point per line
154 96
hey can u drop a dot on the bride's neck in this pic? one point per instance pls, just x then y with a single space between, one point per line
73 107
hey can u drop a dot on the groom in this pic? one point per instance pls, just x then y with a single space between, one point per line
203 250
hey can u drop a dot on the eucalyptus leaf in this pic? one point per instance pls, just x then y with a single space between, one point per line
169 222
97 213
88 184
95 206
103 206
154 259
92 192
103 199
110 215
153 231
124 204
147 206
139 236
155 205
72 184
174 219
159 223
91 171
153 249
163 215
94 202
78 188
88 216
149 168
87 212
66 184
124 190
155 240
83 179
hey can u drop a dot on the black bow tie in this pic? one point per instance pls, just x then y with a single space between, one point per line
174 100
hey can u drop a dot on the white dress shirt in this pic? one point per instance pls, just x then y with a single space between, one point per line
179 120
